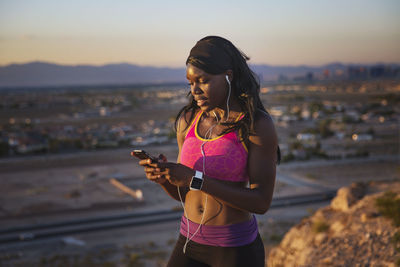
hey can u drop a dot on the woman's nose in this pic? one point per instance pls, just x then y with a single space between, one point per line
195 89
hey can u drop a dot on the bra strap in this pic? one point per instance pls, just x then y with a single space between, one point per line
241 115
193 123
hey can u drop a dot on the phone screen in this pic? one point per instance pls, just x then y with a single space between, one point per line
141 154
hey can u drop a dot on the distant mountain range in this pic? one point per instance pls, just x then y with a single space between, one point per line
36 74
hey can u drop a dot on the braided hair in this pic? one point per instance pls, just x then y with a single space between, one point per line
215 55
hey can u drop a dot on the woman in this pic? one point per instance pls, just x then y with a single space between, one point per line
228 151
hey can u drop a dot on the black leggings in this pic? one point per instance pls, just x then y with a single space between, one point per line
198 255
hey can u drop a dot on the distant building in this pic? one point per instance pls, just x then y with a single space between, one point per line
306 137
361 137
326 73
282 78
309 76
353 114
305 114
357 72
340 135
277 111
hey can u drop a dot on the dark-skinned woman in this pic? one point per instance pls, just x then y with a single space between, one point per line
226 167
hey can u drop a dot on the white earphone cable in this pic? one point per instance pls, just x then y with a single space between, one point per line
229 96
206 136
188 238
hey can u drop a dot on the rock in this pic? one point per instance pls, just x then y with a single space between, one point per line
364 217
379 264
368 215
327 260
356 237
337 227
347 196
343 200
320 238
295 240
304 256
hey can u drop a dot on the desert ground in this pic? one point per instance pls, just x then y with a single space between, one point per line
43 189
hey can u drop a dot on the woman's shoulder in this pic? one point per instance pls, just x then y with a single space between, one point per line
263 119
264 127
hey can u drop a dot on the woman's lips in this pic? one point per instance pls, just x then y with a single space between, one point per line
201 102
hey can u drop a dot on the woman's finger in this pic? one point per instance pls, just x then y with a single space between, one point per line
149 169
152 176
145 162
163 172
154 171
153 164
157 178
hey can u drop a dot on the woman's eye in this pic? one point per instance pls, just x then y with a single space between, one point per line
200 82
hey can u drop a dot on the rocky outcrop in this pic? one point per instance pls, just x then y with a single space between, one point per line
349 232
347 196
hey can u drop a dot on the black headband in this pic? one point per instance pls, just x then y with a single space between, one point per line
210 56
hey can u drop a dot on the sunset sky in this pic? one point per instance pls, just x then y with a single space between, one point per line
161 33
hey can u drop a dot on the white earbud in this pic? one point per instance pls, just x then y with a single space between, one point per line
227 79
229 95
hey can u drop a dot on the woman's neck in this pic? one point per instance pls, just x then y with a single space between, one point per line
222 114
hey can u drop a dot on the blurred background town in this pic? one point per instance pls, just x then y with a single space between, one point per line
353 113
79 91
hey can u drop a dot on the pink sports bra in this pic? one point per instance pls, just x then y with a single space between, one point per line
225 155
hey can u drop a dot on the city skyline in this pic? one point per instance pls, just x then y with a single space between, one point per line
160 33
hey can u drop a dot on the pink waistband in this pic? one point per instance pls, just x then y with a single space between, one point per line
231 235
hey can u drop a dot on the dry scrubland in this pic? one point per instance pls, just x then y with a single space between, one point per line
73 188
361 227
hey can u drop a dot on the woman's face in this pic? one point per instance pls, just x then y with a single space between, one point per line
209 91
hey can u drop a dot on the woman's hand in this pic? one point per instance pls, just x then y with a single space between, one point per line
176 173
151 173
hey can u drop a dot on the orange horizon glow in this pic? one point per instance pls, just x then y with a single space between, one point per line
101 32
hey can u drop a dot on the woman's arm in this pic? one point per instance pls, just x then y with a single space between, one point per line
171 189
262 159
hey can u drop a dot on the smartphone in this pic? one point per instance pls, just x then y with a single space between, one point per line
141 154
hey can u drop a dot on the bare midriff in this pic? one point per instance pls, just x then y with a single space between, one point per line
216 212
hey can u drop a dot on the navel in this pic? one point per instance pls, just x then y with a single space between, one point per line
200 208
